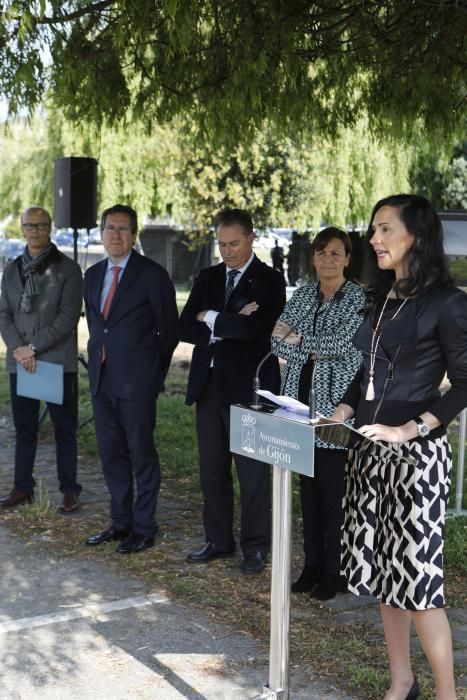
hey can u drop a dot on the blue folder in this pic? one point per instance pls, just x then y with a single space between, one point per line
45 384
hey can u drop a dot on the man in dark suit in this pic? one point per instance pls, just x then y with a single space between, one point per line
133 331
229 317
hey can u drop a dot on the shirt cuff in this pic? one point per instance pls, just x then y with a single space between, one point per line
210 319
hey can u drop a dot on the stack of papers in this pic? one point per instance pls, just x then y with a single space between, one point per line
329 431
285 402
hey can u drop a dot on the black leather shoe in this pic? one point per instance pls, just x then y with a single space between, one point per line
327 588
307 579
207 553
253 563
135 542
109 535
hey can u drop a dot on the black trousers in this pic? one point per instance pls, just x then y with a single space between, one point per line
215 460
64 419
125 438
321 498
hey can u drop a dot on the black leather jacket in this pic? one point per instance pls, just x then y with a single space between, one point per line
426 340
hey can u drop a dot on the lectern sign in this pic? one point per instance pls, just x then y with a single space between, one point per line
272 439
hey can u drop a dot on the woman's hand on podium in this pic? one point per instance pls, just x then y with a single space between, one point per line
342 413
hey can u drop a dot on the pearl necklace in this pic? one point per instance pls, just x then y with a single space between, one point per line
370 391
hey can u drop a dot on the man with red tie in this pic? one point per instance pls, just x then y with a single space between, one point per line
132 319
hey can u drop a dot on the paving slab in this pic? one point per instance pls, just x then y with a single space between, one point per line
70 625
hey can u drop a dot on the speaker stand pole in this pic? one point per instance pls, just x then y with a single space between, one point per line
75 245
75 383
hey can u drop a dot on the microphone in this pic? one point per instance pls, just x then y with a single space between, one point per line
256 383
337 296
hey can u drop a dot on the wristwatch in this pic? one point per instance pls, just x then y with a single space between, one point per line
422 428
33 348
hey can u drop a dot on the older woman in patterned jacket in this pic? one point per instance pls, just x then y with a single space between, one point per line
324 316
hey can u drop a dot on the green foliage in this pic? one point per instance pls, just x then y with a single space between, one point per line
458 271
364 676
5 406
456 182
25 159
229 67
268 177
442 177
455 548
169 173
426 177
294 183
42 508
176 439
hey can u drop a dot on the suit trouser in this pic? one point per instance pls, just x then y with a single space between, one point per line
215 458
125 438
321 498
64 419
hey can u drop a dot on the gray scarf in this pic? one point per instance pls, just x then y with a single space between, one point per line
30 269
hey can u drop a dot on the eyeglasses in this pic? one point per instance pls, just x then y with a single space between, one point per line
30 228
117 229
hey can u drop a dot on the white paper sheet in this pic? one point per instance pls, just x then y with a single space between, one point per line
285 402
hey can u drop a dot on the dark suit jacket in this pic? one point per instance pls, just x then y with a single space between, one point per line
141 330
245 339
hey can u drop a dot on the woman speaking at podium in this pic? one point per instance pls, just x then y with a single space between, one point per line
394 507
314 334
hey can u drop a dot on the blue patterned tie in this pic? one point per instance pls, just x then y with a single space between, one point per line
229 287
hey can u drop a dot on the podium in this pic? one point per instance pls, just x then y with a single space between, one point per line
287 442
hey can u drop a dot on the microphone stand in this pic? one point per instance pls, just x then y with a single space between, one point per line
256 383
256 405
312 392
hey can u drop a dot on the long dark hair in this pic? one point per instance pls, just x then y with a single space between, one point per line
426 261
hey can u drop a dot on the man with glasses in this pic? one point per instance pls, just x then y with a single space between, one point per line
40 305
133 330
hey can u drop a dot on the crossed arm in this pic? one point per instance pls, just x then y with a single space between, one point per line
246 310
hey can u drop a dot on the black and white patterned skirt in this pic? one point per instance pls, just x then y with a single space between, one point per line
393 532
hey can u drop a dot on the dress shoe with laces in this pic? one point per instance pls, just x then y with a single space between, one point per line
208 552
109 535
16 497
253 563
135 542
70 503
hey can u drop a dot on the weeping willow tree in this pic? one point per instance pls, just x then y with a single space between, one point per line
229 67
168 173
